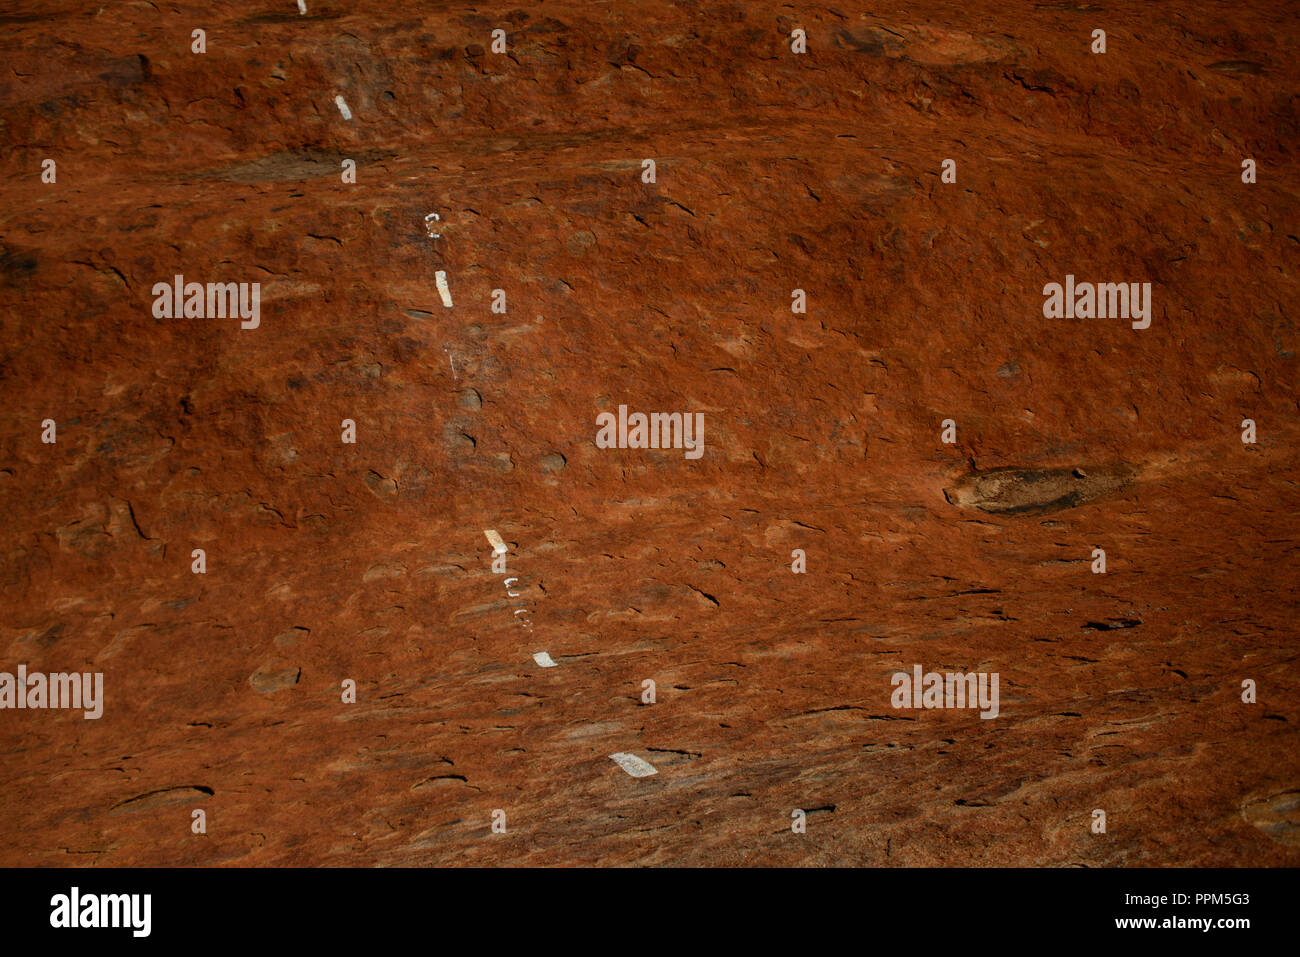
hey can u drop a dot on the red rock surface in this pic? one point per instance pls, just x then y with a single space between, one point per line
775 171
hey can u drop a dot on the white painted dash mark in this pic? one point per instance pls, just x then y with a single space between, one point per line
302 7
633 765
343 107
441 278
498 546
544 659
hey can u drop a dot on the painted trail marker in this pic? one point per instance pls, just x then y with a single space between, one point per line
498 546
637 767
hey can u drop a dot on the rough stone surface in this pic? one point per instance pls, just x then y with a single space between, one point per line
775 172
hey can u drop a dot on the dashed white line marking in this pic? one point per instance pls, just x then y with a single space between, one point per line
498 546
302 7
441 278
544 659
637 767
343 107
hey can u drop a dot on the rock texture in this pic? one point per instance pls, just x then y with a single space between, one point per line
775 171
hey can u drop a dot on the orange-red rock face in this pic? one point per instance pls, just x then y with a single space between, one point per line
329 561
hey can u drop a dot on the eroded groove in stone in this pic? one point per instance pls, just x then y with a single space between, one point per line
164 797
290 165
1023 491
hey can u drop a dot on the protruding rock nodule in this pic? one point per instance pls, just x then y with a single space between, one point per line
1024 491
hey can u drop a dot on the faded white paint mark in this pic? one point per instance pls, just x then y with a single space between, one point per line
498 546
512 594
633 765
544 659
343 107
302 7
441 278
428 226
